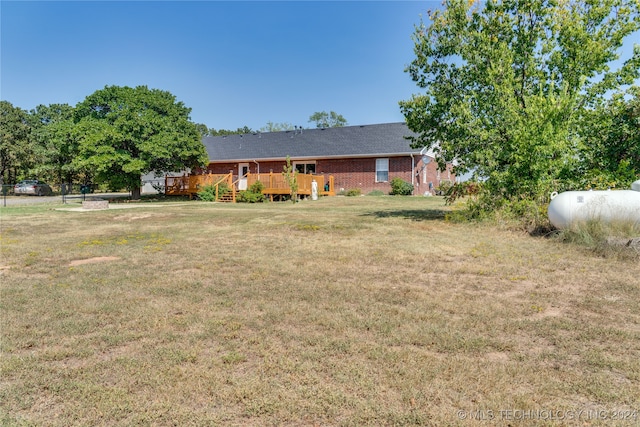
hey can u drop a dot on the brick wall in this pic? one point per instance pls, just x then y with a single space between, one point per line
429 178
358 173
361 173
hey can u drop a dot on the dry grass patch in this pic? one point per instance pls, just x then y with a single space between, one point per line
345 311
93 260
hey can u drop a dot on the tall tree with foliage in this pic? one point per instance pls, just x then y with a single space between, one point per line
322 119
16 153
612 142
52 140
506 84
125 132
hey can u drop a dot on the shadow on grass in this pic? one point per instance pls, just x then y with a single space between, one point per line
412 214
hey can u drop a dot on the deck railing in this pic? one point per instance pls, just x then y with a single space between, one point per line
190 184
274 183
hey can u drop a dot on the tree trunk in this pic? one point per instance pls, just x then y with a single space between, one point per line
135 193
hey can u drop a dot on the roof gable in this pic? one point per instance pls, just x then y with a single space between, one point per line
341 142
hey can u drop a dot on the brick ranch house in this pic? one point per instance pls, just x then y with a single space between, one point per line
362 157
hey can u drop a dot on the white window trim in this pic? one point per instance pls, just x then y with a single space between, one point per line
386 160
308 162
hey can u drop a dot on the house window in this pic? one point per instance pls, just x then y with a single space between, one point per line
305 168
382 170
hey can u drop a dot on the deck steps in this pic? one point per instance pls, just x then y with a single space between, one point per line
226 198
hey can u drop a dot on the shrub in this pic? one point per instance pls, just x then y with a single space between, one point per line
399 187
246 196
353 192
529 215
208 192
376 193
256 187
252 195
480 205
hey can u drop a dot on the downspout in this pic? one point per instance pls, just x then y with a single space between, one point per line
258 167
413 168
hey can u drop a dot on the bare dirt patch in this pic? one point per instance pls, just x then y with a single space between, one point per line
130 218
93 260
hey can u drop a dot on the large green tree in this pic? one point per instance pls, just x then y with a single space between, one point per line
123 133
16 153
506 84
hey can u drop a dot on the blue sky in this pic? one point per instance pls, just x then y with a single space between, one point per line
234 63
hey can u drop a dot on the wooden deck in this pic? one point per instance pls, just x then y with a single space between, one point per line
274 184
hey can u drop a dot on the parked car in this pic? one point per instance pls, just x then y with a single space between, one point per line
33 187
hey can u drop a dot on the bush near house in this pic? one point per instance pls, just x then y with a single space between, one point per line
400 187
253 194
208 192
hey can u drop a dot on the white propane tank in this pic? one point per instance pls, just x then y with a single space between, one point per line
611 205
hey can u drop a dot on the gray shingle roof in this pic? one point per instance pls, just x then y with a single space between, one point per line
349 141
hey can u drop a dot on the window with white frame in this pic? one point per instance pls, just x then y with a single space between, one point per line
305 168
382 170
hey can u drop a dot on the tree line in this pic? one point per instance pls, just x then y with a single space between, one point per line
113 137
321 119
